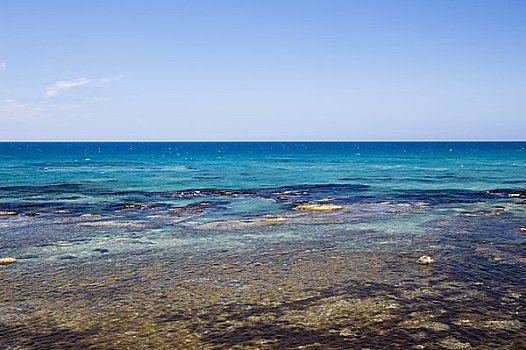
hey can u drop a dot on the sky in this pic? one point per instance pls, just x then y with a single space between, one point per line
262 70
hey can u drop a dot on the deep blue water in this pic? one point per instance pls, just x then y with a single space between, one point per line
177 166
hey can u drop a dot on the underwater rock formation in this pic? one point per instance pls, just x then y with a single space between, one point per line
7 261
425 260
276 220
319 207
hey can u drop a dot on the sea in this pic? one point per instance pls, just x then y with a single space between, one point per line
263 245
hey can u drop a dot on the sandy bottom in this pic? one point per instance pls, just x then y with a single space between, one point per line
291 296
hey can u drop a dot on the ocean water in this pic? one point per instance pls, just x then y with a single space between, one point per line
205 245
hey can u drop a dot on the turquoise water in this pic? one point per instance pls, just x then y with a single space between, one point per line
138 183
175 166
77 205
91 173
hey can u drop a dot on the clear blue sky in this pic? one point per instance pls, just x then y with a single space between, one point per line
262 70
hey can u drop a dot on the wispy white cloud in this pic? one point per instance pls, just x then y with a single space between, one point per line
110 79
3 65
60 86
14 109
57 88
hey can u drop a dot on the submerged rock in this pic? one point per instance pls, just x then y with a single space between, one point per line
101 250
225 225
7 261
319 207
91 216
508 325
115 224
347 332
137 206
7 213
190 209
424 321
425 260
454 344
274 220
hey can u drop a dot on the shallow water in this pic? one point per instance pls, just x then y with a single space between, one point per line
201 246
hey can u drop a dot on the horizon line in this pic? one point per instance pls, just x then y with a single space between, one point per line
246 141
